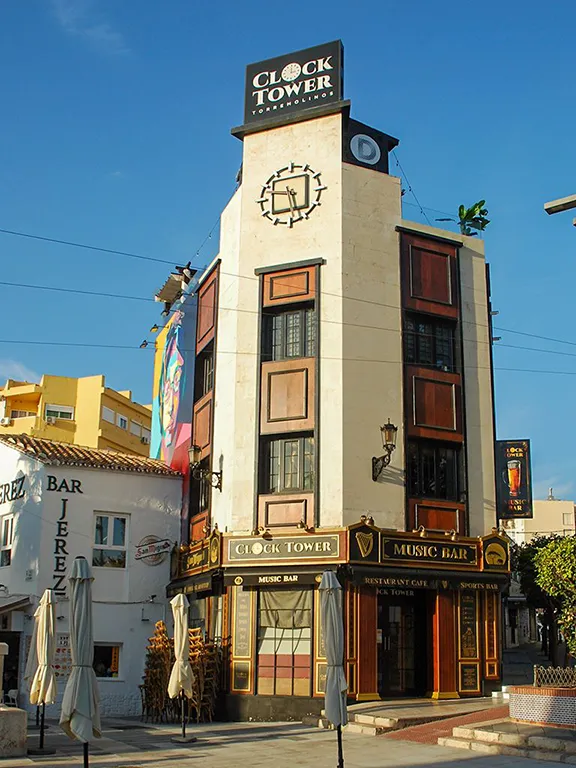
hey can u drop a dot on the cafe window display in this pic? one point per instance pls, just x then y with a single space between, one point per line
284 642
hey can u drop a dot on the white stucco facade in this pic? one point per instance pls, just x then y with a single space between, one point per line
355 233
54 521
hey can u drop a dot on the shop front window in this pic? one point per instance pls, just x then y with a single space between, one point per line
284 642
197 614
106 661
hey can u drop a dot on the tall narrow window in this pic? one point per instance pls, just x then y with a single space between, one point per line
289 335
433 470
429 342
6 537
289 465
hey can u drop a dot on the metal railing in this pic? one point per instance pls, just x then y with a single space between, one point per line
555 677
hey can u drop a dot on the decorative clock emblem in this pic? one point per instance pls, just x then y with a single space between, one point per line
291 194
291 72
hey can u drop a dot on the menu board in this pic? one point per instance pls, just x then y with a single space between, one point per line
468 625
62 656
242 623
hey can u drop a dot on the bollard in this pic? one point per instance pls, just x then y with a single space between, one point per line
3 653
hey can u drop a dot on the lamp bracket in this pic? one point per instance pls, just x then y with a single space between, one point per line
379 463
214 478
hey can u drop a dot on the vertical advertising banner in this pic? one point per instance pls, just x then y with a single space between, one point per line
513 479
173 393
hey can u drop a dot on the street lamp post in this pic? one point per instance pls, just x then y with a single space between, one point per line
562 204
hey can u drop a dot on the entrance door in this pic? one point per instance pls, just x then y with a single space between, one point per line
402 645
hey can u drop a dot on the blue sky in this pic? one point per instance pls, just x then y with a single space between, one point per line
114 131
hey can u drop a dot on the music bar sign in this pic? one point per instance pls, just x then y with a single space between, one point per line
294 82
513 479
426 552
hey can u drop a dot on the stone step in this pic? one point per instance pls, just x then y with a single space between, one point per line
366 730
512 744
388 723
501 695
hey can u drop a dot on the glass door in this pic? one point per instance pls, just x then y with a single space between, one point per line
400 672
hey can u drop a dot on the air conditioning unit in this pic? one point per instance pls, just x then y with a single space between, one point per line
50 419
145 440
5 421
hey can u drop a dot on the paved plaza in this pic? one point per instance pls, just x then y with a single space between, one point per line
132 744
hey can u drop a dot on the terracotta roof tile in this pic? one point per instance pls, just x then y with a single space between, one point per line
51 452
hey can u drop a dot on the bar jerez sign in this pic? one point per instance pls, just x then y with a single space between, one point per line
294 82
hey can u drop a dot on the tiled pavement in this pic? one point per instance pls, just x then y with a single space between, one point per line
131 744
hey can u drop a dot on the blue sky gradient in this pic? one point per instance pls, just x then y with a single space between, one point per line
115 132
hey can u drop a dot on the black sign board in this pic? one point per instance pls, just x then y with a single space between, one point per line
422 551
294 82
513 479
366 147
271 579
364 544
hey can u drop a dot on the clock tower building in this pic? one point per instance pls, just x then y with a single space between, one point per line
342 418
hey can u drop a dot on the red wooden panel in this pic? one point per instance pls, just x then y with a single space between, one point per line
367 664
434 404
285 510
444 643
289 286
207 306
429 276
198 527
437 515
202 426
287 396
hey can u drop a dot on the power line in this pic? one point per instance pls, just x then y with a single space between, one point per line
255 354
403 172
105 294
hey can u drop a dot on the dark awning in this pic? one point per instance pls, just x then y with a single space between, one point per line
13 602
201 585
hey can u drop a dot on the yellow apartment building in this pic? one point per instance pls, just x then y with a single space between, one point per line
80 411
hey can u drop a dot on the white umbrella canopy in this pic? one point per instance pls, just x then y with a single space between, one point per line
80 717
43 688
181 676
32 660
333 631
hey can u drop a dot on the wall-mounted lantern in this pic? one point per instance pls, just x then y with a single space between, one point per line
389 433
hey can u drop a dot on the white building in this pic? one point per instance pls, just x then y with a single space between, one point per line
550 517
121 512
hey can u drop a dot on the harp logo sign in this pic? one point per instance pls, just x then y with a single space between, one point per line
365 542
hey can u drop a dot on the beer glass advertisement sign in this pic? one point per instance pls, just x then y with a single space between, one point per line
294 82
513 479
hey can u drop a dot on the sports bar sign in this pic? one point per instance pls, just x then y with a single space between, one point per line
513 479
294 82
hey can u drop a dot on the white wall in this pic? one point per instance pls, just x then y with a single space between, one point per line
120 596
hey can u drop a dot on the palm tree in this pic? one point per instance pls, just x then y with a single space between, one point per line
473 218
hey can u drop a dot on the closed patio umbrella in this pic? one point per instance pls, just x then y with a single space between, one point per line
80 717
31 666
333 633
181 676
43 688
